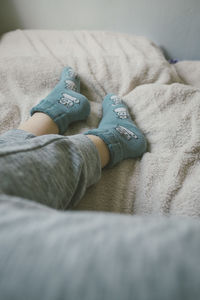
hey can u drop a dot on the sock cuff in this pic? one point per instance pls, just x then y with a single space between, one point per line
53 114
109 136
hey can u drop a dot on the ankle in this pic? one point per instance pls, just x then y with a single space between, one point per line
39 124
102 149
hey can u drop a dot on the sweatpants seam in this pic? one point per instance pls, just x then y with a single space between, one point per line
33 148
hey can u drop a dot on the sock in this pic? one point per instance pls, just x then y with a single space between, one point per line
65 104
117 130
71 79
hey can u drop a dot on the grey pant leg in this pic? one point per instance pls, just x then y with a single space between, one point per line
51 169
14 136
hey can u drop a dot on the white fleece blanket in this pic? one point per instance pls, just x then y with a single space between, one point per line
161 102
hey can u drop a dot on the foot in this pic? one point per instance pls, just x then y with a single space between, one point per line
65 104
122 137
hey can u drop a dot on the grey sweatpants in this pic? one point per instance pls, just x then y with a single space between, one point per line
53 170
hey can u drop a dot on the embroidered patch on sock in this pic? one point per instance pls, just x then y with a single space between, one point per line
126 133
116 100
70 85
72 73
121 113
68 100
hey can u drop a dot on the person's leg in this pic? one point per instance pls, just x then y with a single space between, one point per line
40 124
63 105
38 164
121 136
53 114
50 169
117 137
56 170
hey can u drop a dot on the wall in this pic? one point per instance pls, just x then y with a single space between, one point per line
174 24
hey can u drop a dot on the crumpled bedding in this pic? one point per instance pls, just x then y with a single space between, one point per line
163 100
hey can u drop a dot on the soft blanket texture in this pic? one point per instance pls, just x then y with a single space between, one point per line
166 179
55 255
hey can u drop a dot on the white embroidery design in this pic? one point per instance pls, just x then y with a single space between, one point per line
68 100
122 113
116 100
72 74
126 133
70 85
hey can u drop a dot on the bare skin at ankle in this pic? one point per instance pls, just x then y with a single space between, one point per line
40 124
102 149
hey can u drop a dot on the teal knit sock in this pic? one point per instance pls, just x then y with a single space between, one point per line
65 104
117 130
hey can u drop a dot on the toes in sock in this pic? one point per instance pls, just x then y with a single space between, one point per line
65 104
70 79
117 130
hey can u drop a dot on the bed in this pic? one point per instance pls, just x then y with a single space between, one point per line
135 234
163 100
